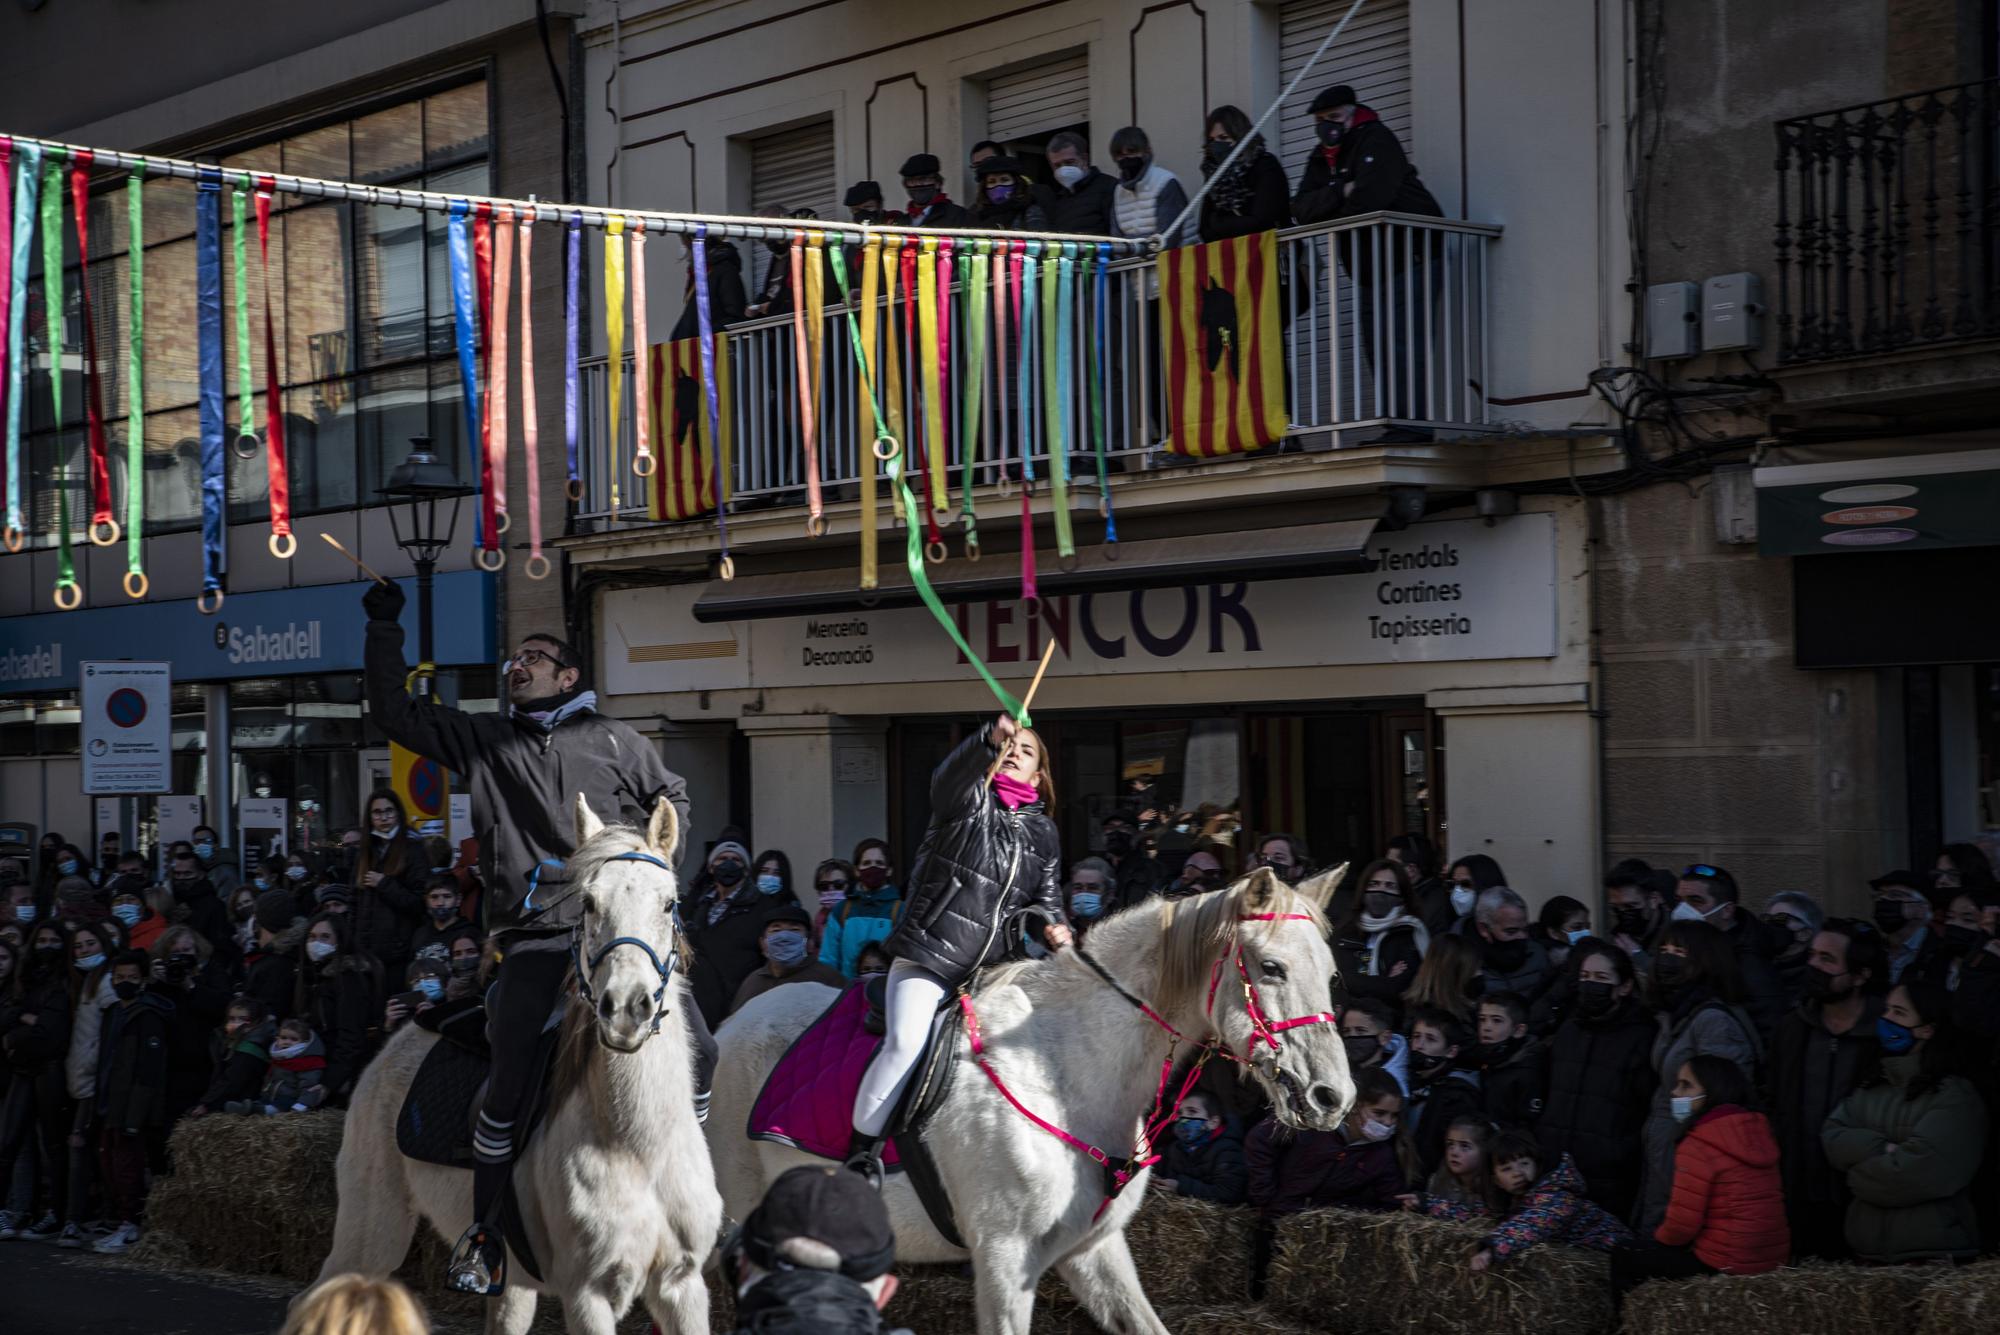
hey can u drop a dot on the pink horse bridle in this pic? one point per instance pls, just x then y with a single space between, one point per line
1119 1173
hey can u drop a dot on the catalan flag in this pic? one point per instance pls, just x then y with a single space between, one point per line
1222 347
684 483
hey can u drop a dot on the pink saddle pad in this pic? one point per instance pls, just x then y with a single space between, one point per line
808 1099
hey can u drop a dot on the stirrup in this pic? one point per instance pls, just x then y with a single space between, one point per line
478 1263
865 1157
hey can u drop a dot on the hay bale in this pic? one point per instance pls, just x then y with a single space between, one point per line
1354 1271
252 1195
1824 1299
1961 1301
1236 1319
1192 1253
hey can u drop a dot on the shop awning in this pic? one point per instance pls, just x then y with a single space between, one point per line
1258 554
1897 503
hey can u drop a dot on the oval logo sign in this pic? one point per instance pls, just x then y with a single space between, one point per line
1869 514
1870 537
1870 493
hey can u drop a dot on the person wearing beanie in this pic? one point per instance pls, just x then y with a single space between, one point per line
270 967
725 925
815 1254
923 181
786 943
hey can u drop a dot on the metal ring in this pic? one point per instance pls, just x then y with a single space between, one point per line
144 584
972 546
869 598
817 526
480 557
643 457
1005 489
934 551
97 528
1068 564
726 567
247 445
895 448
203 606
574 489
1103 505
282 545
14 538
75 592
1031 607
528 566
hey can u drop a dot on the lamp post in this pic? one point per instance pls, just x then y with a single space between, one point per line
424 485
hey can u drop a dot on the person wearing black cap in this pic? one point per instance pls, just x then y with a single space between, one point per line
929 206
785 943
1006 200
864 204
814 1255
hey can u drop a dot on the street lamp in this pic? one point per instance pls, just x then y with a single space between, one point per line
424 484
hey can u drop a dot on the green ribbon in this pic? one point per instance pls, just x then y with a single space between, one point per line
1058 359
52 294
239 200
135 381
973 284
912 522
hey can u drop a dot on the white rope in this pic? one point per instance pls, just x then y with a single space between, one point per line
1159 240
646 220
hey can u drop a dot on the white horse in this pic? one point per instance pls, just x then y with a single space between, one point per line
1087 1061
616 1190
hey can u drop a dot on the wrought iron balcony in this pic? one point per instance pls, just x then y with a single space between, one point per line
1407 347
1886 227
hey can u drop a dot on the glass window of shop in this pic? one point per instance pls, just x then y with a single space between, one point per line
360 310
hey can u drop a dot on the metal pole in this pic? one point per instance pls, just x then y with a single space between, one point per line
221 770
426 569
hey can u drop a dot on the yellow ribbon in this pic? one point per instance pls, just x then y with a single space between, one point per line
933 373
614 334
871 287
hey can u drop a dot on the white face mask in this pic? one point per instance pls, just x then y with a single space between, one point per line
1375 1130
1686 912
1683 1108
286 1051
1069 174
319 950
1462 897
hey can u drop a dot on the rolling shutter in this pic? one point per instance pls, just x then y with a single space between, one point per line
1041 97
793 169
1373 54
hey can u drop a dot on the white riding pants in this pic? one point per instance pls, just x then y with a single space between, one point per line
914 994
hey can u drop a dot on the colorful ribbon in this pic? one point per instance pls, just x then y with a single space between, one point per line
866 463
892 368
614 334
239 231
720 462
976 301
486 515
930 340
281 541
208 322
101 518
572 318
6 318
53 303
1029 385
808 346
913 553
1058 367
1100 379
135 389
1006 265
530 428
17 322
502 235
464 318
913 322
642 370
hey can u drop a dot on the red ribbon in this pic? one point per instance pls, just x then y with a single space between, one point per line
482 250
274 413
100 463
944 353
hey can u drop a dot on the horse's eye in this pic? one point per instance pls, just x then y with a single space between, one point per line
1274 971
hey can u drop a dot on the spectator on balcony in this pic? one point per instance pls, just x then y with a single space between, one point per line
1250 196
726 296
774 294
1359 167
1006 201
1081 198
1148 197
929 206
863 203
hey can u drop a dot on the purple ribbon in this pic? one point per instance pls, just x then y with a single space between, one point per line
571 314
708 381
208 338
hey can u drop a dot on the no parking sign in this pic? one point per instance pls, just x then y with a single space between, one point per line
127 727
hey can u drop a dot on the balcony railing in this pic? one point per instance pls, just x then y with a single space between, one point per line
1384 325
1886 227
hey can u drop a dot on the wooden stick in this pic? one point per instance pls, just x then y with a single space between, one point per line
360 564
1048 656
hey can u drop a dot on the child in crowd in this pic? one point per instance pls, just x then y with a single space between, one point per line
1543 1206
1366 1164
133 1057
426 981
1205 1158
1443 1085
874 960
1368 1031
1462 1187
1513 1068
242 1054
297 1060
467 949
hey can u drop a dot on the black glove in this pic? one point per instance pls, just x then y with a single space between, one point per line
383 602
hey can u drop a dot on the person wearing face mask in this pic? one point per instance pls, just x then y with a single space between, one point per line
301 878
727 296
1601 1078
183 969
1205 1157
388 905
71 862
1639 900
1081 200
443 923
271 964
132 909
1709 894
1464 880
1365 1164
1561 923
1910 1138
923 182
1975 975
35 1022
1511 960
1964 867
1148 197
863 202
335 995
242 1049
1903 913
1248 196
91 949
725 925
1006 200
20 898
785 946
1381 942
424 982
45 866
1697 992
771 873
1444 1083
867 911
217 862
204 910
1088 893
132 1107
1368 1033
1793 918
1822 1046
832 880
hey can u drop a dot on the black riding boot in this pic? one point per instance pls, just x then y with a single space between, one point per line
864 1156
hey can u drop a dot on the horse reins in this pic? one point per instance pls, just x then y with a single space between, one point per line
665 968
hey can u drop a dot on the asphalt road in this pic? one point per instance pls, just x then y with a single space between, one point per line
47 1291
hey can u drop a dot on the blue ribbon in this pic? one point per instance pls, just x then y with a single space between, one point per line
465 326
208 321
27 187
708 382
1100 388
1031 358
572 316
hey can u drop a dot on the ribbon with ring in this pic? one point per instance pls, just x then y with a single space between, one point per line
977 298
866 464
491 555
1058 364
614 338
68 593
809 358
208 333
103 527
705 327
537 564
486 525
572 376
1100 380
14 316
643 463
465 326
281 542
135 389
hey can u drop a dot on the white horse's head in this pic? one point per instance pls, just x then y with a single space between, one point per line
1258 951
627 942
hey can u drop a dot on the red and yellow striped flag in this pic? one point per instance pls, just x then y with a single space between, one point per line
684 483
1222 346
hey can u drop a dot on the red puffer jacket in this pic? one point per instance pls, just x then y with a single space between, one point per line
1729 1200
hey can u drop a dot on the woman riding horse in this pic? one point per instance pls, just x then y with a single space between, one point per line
991 853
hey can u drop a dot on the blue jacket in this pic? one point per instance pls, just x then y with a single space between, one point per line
860 921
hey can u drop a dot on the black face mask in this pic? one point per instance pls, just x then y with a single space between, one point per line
1330 132
46 954
1963 939
1594 998
1820 986
1506 956
1890 916
1131 169
1218 149
126 989
727 873
1118 842
1630 922
464 968
1424 1065
1669 974
1492 1053
1361 1048
869 215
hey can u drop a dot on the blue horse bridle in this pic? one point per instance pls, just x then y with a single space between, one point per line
665 968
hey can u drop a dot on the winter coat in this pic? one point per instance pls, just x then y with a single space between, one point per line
1756 956
523 778
978 866
727 950
1369 173
726 294
143 933
31 1049
1292 1170
1910 1164
86 1033
340 1005
1368 960
1601 1083
240 1066
857 922
385 915
1728 1203
1212 1171
1086 209
1811 1072
1459 1211
1269 207
289 1080
1146 206
201 908
1434 1105
1699 1024
1556 1211
1517 1085
431 942
1530 978
942 213
1028 217
198 1009
135 1054
270 972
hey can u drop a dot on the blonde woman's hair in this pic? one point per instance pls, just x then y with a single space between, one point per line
357 1305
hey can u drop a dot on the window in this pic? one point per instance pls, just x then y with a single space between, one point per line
793 169
361 312
1373 55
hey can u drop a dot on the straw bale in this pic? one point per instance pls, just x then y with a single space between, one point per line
1823 1299
1961 1301
1190 1252
936 1299
1360 1272
1235 1319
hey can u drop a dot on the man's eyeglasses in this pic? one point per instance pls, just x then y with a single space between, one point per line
528 658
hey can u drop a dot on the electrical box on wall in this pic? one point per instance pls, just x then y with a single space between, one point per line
1671 329
1732 313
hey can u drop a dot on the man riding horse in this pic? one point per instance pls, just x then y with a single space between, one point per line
522 766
